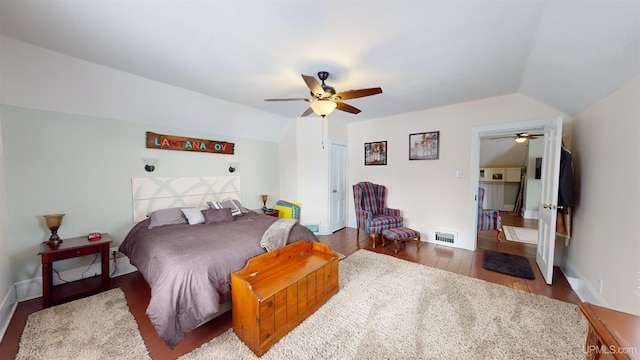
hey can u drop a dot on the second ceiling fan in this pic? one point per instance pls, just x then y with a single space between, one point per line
519 137
324 98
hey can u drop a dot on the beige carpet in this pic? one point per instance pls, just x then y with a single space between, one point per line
520 234
96 327
389 308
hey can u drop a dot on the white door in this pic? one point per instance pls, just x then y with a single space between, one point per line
338 187
549 199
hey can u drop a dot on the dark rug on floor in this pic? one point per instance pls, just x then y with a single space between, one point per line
514 265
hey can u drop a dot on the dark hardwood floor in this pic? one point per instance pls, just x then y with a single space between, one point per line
459 261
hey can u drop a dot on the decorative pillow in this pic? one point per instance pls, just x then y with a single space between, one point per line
239 205
170 216
226 203
194 215
217 215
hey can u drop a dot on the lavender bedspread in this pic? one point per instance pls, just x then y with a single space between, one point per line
188 267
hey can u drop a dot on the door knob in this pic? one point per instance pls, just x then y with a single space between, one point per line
546 206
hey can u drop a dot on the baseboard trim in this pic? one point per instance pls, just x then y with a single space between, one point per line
530 214
9 305
580 285
32 288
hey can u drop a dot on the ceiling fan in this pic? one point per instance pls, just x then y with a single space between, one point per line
324 98
519 137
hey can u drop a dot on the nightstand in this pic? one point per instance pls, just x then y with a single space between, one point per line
271 212
69 249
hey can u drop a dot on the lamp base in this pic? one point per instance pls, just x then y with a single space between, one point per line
54 243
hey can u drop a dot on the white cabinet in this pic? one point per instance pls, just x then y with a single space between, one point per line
501 187
510 174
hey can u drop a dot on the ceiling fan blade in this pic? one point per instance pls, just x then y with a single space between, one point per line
346 107
352 94
289 99
307 112
314 86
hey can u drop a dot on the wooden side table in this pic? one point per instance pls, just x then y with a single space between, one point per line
68 249
272 212
268 212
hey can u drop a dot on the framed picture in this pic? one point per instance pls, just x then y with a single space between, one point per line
375 153
497 174
484 174
424 146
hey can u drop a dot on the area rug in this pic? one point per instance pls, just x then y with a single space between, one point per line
520 234
388 308
514 265
97 327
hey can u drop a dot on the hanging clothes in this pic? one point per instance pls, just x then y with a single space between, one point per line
566 192
565 185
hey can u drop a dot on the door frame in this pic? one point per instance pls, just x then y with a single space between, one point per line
474 176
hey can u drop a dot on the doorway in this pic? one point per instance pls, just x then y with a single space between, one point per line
337 186
516 193
552 130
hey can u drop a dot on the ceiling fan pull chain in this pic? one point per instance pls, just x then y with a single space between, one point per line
322 124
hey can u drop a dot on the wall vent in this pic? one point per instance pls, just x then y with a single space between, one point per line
445 236
313 227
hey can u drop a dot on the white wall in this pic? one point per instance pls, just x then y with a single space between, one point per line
428 192
7 295
74 136
82 166
304 171
533 186
38 78
606 156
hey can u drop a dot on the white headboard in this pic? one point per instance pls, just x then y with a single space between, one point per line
150 194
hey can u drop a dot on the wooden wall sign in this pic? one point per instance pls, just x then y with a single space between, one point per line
170 142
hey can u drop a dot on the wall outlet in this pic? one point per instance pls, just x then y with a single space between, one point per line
599 286
113 251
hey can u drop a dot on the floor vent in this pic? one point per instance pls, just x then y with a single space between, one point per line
445 236
313 227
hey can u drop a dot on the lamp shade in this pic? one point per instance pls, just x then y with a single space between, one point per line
323 107
53 220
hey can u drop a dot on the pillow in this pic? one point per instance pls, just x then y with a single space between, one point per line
226 203
194 215
164 217
239 205
217 215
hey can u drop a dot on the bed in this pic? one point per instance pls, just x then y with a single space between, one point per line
188 266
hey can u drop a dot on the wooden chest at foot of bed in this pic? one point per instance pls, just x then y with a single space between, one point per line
276 291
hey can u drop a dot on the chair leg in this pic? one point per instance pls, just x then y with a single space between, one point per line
498 234
418 242
373 240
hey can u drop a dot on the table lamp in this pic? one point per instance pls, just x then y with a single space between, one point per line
53 223
264 202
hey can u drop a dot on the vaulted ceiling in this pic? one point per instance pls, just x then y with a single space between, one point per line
424 54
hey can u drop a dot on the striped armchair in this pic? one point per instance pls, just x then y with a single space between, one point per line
371 213
487 219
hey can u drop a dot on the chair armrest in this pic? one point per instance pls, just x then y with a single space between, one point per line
367 215
391 212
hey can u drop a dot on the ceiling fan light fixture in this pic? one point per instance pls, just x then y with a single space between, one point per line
521 139
323 107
